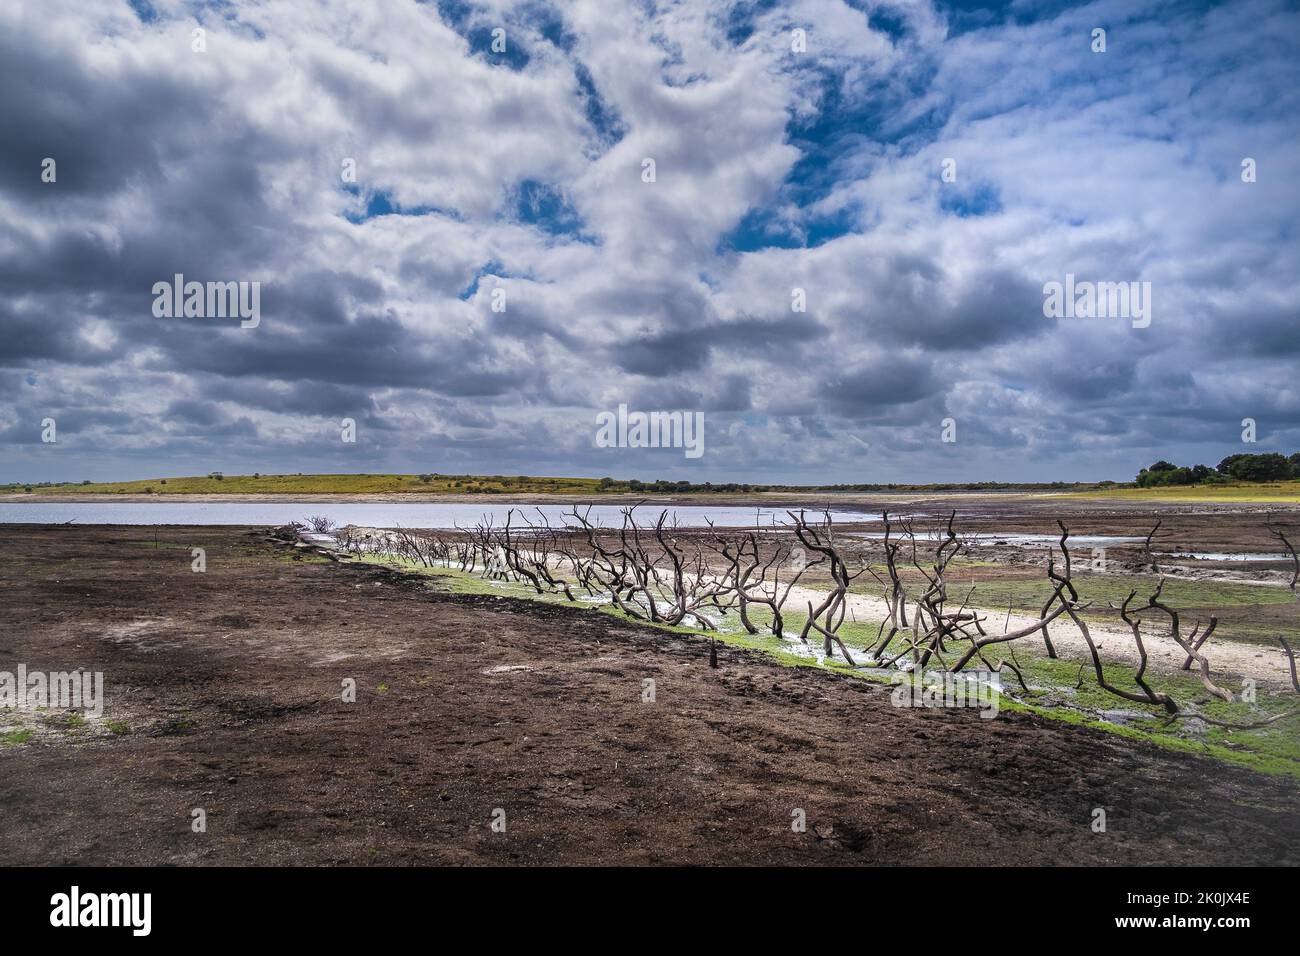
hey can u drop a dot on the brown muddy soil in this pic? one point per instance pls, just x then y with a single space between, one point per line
228 687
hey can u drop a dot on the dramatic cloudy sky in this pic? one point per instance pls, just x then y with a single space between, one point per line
522 170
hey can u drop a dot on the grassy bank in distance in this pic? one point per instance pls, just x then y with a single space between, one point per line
1245 492
365 484
320 485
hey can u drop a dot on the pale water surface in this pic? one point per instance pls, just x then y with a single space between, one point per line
377 514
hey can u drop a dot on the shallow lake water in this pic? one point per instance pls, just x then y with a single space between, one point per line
1020 540
1232 555
379 514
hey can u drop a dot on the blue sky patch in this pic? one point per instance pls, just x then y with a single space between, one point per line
547 208
982 199
380 203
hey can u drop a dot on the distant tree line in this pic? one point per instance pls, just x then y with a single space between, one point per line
678 487
1267 467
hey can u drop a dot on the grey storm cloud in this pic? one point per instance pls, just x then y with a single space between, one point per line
497 271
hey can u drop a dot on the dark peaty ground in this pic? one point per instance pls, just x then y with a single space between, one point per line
230 683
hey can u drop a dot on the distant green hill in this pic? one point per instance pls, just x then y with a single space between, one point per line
321 484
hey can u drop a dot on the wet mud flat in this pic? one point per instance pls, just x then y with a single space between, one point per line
1183 526
225 693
